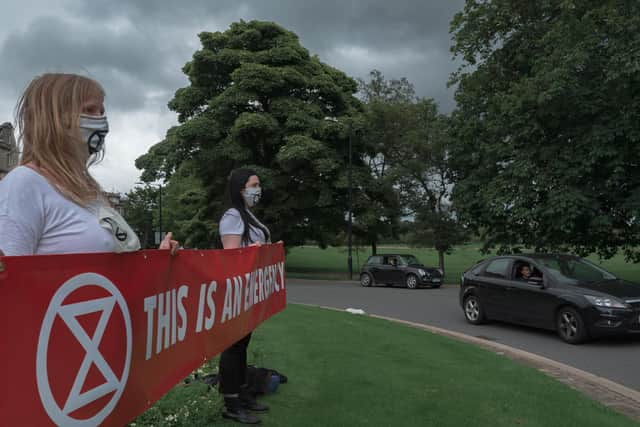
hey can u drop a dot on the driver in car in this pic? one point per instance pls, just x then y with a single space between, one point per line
524 273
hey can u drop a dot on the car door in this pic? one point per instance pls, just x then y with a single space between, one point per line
532 304
396 272
493 283
375 265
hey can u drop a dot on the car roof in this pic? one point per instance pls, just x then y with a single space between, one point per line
537 256
391 255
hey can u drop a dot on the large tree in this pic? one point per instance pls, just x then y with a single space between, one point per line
547 124
405 141
386 123
422 176
257 98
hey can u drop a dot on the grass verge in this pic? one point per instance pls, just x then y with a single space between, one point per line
348 370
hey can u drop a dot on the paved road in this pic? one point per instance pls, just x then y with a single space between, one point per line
617 359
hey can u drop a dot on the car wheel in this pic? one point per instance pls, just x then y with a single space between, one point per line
365 280
473 311
570 326
411 281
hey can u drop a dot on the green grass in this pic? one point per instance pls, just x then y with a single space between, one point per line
331 263
348 370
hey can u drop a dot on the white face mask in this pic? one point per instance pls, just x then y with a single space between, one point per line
93 130
252 196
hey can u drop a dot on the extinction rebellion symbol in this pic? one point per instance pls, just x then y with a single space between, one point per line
78 384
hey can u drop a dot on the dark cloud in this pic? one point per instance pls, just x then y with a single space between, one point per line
386 29
137 48
130 64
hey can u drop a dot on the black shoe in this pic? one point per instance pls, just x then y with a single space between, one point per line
248 401
241 415
254 405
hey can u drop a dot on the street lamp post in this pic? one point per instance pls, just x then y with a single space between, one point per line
159 187
160 208
350 199
350 187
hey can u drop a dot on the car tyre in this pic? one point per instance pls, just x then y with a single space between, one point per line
411 281
570 326
473 311
366 280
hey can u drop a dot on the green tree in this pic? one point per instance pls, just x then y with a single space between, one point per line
547 126
385 123
422 175
406 149
141 210
257 98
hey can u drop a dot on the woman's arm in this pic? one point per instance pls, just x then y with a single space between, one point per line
231 241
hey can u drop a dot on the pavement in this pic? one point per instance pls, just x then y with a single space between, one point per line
611 394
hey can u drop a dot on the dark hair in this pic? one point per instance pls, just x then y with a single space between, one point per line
237 182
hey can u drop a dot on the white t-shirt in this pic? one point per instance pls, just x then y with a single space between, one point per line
231 223
36 219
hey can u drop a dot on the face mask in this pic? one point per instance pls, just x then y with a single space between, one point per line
93 129
252 195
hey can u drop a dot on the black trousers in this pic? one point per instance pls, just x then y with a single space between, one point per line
233 367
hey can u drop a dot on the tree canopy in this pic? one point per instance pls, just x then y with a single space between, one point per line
257 98
547 126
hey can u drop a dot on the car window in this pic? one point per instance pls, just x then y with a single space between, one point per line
517 270
392 260
497 268
408 260
575 270
375 260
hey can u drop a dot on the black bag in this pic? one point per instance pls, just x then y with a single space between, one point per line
263 380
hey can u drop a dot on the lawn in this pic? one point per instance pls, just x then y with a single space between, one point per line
331 263
349 370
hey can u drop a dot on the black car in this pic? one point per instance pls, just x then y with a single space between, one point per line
565 293
399 269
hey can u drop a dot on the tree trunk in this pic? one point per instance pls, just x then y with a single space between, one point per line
441 261
374 247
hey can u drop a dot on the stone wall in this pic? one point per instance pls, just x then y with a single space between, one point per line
8 149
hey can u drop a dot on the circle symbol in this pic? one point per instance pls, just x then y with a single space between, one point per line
69 313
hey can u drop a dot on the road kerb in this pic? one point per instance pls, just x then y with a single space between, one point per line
611 394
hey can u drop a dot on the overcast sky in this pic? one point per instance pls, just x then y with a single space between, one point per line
136 49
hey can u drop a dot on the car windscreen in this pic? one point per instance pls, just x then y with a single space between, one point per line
573 271
408 260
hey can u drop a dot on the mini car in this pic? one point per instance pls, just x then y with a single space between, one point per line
399 269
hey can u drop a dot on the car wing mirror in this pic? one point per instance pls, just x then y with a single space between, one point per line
538 281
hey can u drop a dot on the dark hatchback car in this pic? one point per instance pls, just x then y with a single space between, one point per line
565 293
399 269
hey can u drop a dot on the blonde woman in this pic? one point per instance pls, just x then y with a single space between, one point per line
51 204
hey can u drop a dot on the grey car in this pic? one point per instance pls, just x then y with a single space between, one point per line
399 269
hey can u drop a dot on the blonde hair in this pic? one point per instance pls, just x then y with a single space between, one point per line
48 115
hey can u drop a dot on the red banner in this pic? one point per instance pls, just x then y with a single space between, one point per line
95 339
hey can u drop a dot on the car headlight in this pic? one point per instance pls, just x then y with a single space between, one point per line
605 302
422 272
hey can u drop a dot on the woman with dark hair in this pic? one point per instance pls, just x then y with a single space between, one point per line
240 228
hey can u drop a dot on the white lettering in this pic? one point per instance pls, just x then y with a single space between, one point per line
237 295
211 319
227 309
203 289
149 308
183 292
164 317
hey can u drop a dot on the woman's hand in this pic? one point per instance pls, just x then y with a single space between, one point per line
167 243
